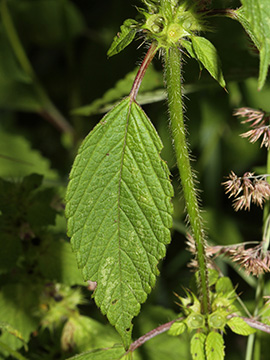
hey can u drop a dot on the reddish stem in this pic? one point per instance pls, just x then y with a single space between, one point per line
159 330
140 74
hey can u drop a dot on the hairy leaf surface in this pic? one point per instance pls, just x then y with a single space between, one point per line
119 211
197 346
214 346
208 56
224 285
123 38
177 328
255 17
239 326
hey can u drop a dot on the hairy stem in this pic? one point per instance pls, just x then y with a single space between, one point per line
146 62
174 91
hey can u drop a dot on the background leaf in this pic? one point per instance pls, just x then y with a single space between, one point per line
58 263
119 211
86 334
114 353
257 14
17 309
18 159
11 330
152 80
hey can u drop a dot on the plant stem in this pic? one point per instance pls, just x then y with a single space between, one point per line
157 331
174 92
146 62
254 339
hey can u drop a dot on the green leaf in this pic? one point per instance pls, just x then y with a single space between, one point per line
239 326
255 18
18 159
119 211
84 334
224 285
213 276
63 267
214 346
17 308
152 80
188 46
177 328
16 86
41 22
197 346
115 353
124 37
11 330
208 56
11 248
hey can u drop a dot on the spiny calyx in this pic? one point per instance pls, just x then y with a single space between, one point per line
167 30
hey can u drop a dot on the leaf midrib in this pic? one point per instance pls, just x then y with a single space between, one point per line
119 194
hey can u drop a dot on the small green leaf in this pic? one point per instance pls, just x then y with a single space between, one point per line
208 56
255 18
197 346
239 326
224 285
188 46
214 346
124 37
213 276
119 211
177 328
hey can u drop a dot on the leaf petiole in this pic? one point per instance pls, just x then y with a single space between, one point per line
140 74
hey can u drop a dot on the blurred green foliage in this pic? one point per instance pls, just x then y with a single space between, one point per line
43 122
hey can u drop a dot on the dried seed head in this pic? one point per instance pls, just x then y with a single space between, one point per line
251 115
233 185
254 189
259 123
254 260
